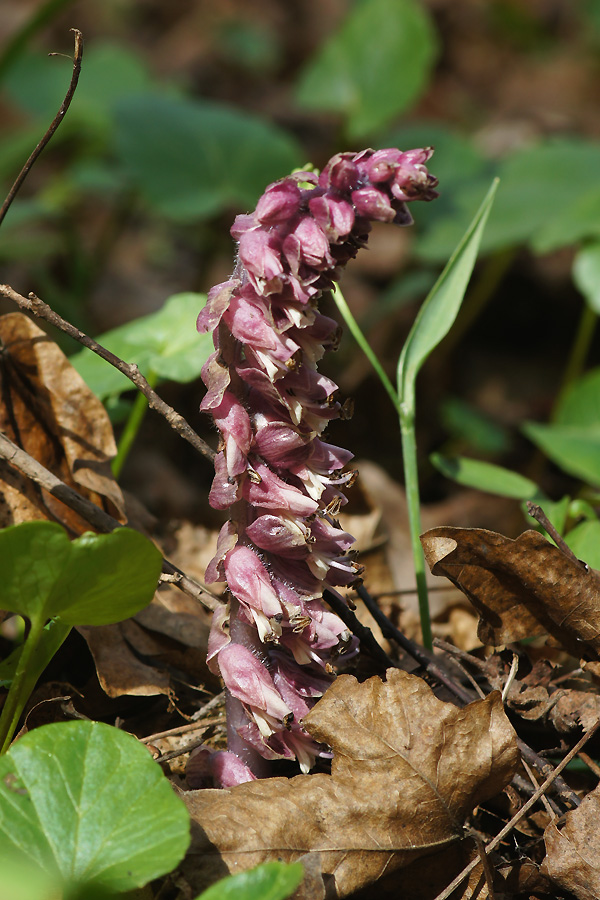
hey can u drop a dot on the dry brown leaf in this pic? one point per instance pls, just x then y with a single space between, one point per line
573 852
49 411
138 655
407 770
521 587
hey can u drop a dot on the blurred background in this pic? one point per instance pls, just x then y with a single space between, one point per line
186 109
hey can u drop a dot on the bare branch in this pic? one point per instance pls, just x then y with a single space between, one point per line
93 514
40 309
78 56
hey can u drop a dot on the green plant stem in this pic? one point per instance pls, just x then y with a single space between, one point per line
406 413
413 502
579 353
354 329
20 687
132 426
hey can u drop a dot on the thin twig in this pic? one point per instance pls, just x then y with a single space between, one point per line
389 630
590 763
183 729
40 309
485 864
519 815
93 514
55 123
536 785
536 512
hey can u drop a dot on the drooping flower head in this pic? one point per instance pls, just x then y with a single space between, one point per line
281 481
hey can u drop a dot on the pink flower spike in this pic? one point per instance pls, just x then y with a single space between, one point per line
283 486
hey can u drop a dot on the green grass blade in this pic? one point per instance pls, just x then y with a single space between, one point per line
439 311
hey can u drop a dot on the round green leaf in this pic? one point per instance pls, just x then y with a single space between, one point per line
374 67
96 579
270 881
191 159
86 804
107 578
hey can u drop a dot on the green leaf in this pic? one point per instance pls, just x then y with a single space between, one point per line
93 580
165 343
374 67
574 449
584 541
468 425
537 191
109 72
580 405
191 159
270 881
85 803
586 274
484 476
438 312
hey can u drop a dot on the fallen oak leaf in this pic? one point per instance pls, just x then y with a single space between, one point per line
573 852
520 588
407 769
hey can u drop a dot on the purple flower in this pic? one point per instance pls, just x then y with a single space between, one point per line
275 641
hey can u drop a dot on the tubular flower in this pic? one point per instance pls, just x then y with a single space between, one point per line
281 482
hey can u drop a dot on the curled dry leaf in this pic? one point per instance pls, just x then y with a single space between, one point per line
49 411
573 852
407 770
521 587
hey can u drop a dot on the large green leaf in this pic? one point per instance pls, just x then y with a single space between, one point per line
485 476
374 67
164 343
270 881
85 804
537 193
574 449
191 159
439 310
586 273
584 541
96 579
580 405
38 84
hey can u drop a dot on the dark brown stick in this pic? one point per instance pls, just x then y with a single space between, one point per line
364 634
78 56
40 309
93 514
